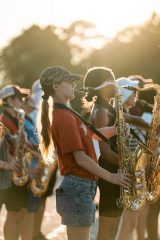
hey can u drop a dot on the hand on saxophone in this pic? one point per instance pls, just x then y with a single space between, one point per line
12 165
15 165
127 130
121 179
4 165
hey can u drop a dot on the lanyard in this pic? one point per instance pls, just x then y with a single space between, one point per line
88 124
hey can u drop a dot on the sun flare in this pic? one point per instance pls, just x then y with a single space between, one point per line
109 16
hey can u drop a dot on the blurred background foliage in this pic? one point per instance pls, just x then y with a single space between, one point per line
135 50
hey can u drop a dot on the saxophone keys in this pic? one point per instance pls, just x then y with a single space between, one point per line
140 173
119 202
139 186
141 198
149 196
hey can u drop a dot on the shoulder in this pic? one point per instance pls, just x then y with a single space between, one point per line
100 117
100 112
64 117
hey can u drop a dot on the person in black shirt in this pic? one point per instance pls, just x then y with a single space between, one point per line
99 81
101 86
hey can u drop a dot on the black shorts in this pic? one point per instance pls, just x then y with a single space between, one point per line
109 193
2 197
21 197
16 198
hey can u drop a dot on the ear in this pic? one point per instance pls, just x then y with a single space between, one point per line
55 86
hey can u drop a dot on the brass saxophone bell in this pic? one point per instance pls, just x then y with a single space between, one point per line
40 183
153 164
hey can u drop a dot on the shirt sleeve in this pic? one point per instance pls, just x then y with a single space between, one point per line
69 135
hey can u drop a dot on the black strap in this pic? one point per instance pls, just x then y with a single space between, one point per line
139 140
11 118
88 124
29 119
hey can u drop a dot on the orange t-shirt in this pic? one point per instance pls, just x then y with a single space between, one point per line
70 134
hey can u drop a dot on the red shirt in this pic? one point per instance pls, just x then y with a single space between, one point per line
69 135
11 123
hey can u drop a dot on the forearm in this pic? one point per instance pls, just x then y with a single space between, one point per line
85 162
91 166
4 165
107 132
138 121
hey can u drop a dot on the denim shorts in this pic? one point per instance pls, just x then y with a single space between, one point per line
74 201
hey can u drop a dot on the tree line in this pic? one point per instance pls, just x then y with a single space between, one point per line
135 50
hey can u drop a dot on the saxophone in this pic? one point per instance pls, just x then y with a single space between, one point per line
40 182
132 198
2 130
21 176
153 166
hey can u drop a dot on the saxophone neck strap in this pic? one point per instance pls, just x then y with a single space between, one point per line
86 123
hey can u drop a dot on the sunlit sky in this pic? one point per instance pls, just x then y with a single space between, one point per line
110 16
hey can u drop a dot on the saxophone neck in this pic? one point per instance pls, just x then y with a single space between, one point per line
145 148
3 129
